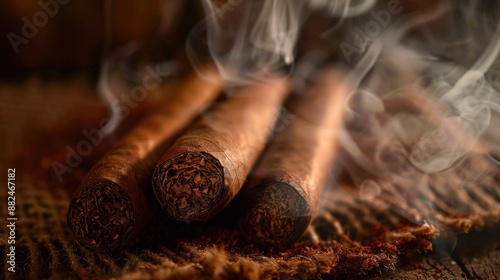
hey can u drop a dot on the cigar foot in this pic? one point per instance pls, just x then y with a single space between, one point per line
101 217
189 186
274 214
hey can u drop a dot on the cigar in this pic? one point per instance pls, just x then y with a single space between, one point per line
282 193
70 181
199 175
115 200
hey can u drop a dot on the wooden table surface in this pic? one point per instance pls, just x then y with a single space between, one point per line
476 256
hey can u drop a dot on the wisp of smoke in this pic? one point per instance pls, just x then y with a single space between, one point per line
433 112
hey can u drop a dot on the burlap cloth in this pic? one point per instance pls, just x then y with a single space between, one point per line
356 234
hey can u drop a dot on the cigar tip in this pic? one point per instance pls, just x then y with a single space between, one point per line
190 186
274 214
101 217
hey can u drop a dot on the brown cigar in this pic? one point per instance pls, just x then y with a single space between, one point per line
206 167
115 200
282 194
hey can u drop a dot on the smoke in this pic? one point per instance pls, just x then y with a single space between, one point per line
247 38
423 101
426 107
470 101
130 72
343 8
426 100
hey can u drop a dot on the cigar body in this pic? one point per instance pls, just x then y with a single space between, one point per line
207 166
115 200
282 194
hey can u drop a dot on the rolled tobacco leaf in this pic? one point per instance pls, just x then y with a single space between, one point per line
283 191
207 166
115 200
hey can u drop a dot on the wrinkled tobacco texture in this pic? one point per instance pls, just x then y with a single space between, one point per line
279 214
102 216
193 182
